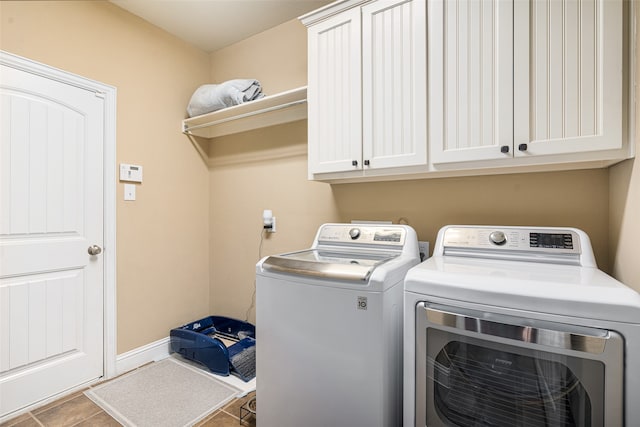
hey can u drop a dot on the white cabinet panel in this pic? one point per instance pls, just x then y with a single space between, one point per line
334 93
470 79
572 75
394 83
524 78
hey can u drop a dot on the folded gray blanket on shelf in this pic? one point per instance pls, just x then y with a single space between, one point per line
214 97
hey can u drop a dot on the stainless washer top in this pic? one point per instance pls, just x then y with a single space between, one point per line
355 265
346 252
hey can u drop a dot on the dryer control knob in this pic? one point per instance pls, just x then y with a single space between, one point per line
498 238
354 233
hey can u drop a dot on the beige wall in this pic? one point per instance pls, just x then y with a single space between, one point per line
267 169
624 227
162 238
276 57
254 171
575 199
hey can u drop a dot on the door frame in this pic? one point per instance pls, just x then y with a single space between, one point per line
108 93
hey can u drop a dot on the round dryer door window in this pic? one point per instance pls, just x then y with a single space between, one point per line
476 385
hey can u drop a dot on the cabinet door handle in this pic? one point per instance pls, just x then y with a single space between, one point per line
354 163
522 147
366 162
504 149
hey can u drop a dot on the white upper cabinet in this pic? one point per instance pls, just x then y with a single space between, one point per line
568 76
470 80
404 89
525 82
367 86
394 84
334 93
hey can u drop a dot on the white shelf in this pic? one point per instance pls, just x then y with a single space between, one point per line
271 110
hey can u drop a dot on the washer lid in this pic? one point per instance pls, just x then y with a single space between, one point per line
341 265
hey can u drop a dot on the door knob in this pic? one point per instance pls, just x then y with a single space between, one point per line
94 250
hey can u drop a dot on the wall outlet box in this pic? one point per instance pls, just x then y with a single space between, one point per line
423 247
131 173
272 229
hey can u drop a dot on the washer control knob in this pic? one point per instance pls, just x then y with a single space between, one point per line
354 233
498 238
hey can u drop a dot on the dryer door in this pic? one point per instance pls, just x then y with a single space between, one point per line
477 368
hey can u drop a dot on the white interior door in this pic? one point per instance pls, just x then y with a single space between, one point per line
51 212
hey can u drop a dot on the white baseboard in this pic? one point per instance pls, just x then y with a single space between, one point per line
124 362
139 356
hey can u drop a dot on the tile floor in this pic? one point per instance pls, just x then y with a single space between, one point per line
78 410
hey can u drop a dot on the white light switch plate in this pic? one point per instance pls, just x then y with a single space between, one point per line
129 192
132 173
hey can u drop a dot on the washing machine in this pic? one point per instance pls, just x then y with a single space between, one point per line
516 326
329 328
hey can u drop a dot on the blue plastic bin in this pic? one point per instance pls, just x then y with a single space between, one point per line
197 341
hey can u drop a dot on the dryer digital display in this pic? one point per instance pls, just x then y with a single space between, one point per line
551 240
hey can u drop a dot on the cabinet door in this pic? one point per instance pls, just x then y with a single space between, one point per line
334 94
568 76
394 83
470 45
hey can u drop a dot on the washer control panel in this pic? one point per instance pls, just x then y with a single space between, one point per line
498 237
362 234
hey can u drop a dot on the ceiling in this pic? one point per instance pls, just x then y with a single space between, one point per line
214 24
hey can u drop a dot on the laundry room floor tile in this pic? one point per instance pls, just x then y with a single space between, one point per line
68 413
24 420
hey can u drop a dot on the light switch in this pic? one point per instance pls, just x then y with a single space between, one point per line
132 173
129 192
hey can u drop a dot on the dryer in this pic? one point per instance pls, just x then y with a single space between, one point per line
516 326
329 328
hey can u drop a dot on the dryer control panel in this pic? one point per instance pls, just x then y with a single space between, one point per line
556 245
